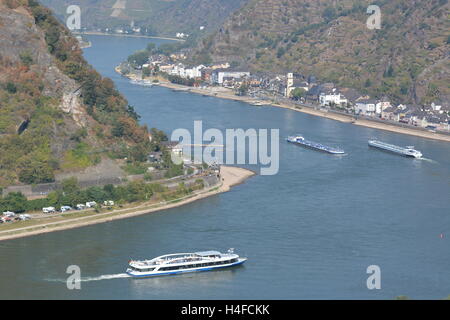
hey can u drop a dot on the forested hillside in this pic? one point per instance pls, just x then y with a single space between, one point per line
154 17
407 59
56 112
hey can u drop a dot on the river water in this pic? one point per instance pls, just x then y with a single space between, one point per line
310 232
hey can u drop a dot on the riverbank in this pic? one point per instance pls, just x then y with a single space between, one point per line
95 33
369 123
224 93
319 113
231 176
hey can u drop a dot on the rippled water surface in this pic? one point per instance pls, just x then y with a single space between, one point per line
309 232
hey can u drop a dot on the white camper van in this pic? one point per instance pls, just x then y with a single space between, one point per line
91 204
48 210
65 208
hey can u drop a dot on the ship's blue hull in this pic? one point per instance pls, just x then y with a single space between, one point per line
169 273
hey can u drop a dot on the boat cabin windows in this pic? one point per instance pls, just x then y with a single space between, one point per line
142 269
199 265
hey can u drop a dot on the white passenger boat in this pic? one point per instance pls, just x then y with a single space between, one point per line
408 151
184 262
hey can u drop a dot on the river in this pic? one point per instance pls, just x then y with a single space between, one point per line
309 232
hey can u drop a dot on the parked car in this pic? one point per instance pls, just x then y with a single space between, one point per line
80 206
24 217
9 214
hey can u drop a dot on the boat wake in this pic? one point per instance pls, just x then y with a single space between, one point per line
102 277
106 277
428 160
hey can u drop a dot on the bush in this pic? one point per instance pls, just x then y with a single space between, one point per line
37 172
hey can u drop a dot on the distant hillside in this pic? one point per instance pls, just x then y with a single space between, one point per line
407 59
155 17
56 112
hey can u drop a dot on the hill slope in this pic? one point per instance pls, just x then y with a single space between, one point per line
158 17
407 59
56 112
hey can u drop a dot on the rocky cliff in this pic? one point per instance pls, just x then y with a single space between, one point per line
56 112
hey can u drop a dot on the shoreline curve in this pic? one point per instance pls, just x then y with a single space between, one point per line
231 176
307 110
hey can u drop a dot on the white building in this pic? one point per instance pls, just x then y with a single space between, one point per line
183 72
181 35
382 105
436 107
230 74
367 107
195 72
292 84
332 97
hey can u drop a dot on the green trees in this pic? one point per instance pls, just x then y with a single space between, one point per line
36 172
146 72
11 87
71 195
139 58
26 58
26 157
390 72
298 93
79 135
329 13
14 201
151 47
174 171
242 90
50 140
281 51
132 113
183 81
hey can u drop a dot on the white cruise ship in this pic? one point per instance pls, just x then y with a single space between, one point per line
408 151
184 262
